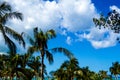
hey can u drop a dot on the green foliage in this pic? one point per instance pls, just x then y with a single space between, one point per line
6 13
111 21
115 69
39 44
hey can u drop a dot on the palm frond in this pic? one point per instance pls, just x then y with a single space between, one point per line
24 59
12 47
8 41
32 49
65 64
63 50
34 63
27 72
11 15
15 35
50 34
32 42
74 61
4 7
49 56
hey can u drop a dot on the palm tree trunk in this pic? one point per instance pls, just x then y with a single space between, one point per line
42 65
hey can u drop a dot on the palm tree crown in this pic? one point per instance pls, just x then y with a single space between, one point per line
6 14
39 44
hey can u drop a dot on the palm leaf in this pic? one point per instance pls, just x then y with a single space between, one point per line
4 7
50 34
27 72
32 42
32 49
11 15
8 41
63 50
15 35
49 56
12 47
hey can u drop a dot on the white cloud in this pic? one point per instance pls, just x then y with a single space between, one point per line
115 8
77 14
36 14
68 15
106 42
69 40
74 15
100 38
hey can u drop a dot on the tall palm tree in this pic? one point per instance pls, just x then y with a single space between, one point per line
6 13
115 69
39 44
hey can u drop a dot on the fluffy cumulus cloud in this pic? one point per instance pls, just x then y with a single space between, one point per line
115 8
62 15
77 14
74 15
100 38
44 15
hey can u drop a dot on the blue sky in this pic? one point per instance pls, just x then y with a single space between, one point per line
72 21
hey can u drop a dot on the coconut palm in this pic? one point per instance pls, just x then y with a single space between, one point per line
39 44
68 70
11 65
115 69
23 63
2 64
103 74
6 13
72 67
60 74
34 63
15 65
88 74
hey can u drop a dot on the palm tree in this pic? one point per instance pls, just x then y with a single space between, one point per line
86 73
11 66
23 62
39 44
103 74
3 59
34 63
72 67
6 13
115 69
15 65
68 70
